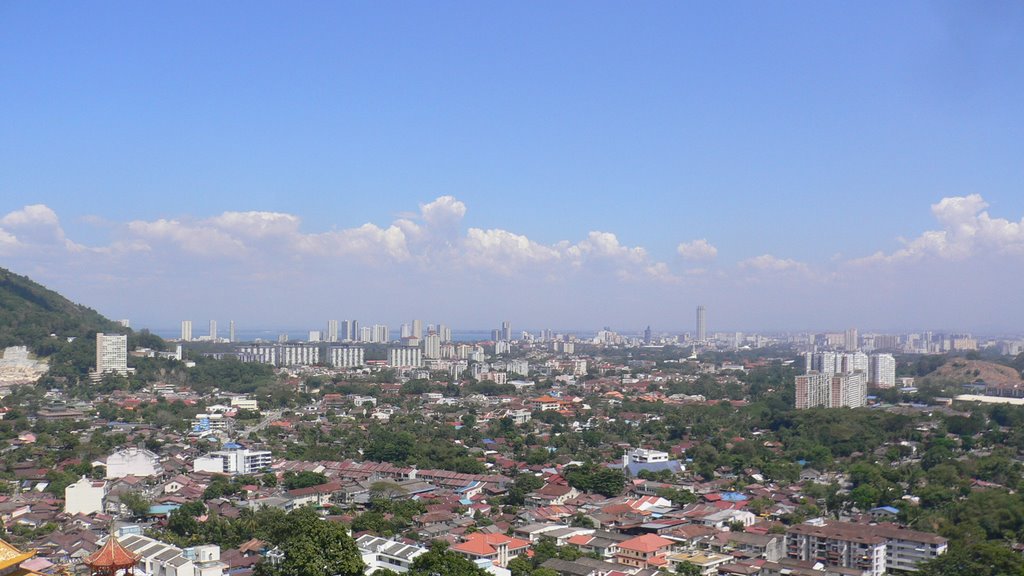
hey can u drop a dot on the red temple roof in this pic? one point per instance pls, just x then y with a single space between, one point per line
111 555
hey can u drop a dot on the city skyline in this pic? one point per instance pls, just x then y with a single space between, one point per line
617 169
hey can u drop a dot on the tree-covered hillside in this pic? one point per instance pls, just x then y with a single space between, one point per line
29 313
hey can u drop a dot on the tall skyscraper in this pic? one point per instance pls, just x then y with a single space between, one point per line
381 333
417 329
506 331
702 327
231 331
346 331
111 353
851 340
213 330
186 330
332 330
405 331
882 372
432 346
647 335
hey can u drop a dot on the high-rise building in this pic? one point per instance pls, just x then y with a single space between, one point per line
813 389
213 330
365 334
820 389
851 341
314 336
111 354
849 390
444 332
882 371
345 356
405 357
332 330
380 333
186 330
231 331
432 346
647 335
702 326
506 331
405 331
417 329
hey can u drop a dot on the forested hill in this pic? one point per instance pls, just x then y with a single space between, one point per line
29 313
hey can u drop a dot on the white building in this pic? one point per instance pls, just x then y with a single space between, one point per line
813 389
242 461
298 355
382 553
873 548
405 357
432 346
244 403
332 330
133 461
186 330
85 496
111 354
882 371
345 356
158 558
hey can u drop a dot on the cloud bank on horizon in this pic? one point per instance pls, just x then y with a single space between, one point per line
264 267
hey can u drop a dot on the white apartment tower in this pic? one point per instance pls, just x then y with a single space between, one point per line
231 331
405 357
186 330
111 353
332 330
213 330
345 356
702 326
882 371
417 329
432 346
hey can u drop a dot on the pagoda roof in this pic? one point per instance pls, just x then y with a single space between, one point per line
11 556
111 555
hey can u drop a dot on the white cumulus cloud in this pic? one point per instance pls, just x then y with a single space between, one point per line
697 250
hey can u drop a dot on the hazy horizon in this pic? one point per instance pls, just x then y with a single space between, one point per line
554 165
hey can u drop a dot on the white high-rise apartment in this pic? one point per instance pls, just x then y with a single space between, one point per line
882 371
186 330
702 326
381 333
231 331
813 389
849 390
432 346
345 356
111 353
405 331
213 330
405 357
332 330
506 331
365 334
444 332
417 328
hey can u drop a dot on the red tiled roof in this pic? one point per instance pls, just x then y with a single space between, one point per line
111 555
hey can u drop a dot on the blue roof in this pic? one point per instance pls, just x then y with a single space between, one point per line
889 509
733 496
163 508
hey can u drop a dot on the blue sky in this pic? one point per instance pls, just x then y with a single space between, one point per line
799 152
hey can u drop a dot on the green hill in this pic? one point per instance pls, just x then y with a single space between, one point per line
30 313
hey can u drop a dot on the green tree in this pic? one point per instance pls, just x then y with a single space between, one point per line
138 505
440 560
315 547
688 569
